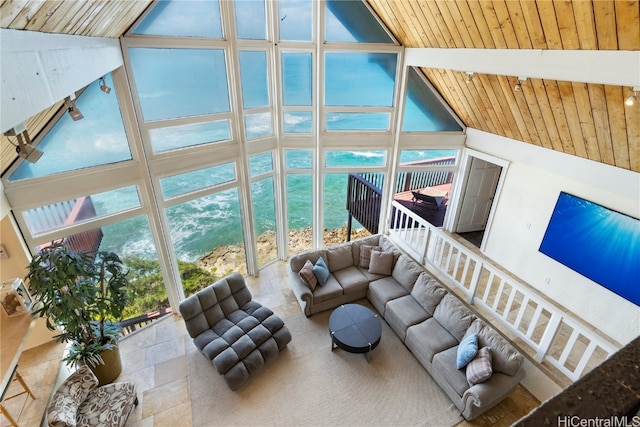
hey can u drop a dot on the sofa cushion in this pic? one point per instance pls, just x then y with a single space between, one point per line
428 292
406 271
351 279
454 316
505 358
330 290
404 312
428 338
365 255
479 369
388 246
467 350
445 363
384 290
307 275
357 244
321 271
339 257
370 276
298 261
381 263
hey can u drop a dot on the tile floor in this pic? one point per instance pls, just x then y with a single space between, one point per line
155 359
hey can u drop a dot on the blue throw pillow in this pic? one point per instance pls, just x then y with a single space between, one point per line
321 271
467 350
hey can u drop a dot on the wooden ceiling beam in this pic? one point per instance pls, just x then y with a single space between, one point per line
618 68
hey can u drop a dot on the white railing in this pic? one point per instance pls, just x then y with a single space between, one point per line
553 335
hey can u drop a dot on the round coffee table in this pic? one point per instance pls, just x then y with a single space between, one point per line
355 328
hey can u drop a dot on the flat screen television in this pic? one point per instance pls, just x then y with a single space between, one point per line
597 242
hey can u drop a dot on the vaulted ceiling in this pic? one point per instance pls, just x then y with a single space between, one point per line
586 120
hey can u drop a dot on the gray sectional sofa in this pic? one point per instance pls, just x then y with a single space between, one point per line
431 321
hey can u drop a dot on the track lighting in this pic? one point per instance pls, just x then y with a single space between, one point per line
518 86
73 111
469 77
631 99
25 149
103 86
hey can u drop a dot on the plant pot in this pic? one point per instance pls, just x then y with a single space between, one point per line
111 369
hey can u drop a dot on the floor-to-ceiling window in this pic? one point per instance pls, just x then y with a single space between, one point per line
236 126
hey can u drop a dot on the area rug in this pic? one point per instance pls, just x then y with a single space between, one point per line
309 385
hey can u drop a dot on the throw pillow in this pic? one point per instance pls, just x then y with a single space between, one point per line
381 263
365 254
479 369
467 350
321 271
307 276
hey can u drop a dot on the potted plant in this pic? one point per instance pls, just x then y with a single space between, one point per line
84 295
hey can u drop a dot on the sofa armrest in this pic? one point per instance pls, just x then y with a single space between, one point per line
484 396
301 291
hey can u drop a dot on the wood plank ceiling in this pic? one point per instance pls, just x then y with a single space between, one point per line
586 120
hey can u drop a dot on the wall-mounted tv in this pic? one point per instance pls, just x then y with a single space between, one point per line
597 242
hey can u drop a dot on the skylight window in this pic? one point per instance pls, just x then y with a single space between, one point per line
351 21
253 74
295 18
182 18
423 110
98 139
297 78
174 137
250 19
195 180
258 125
174 83
359 79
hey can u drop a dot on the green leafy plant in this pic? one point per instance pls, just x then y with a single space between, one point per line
84 295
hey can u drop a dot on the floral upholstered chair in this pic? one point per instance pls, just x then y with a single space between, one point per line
80 402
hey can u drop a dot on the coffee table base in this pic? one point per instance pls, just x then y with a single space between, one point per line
366 355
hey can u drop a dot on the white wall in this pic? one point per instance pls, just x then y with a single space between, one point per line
40 69
534 179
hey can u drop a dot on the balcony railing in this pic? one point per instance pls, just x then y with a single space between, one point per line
545 331
134 323
364 190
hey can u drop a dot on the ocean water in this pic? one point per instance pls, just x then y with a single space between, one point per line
202 224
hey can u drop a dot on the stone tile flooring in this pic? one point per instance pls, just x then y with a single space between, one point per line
155 359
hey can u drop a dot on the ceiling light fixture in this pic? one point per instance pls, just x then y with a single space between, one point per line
518 86
25 149
103 86
631 99
73 111
469 77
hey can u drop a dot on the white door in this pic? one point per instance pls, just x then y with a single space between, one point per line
478 195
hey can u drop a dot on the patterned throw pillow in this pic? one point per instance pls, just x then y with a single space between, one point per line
381 263
321 271
307 276
365 254
479 369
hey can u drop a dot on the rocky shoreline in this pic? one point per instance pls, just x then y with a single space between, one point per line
226 259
